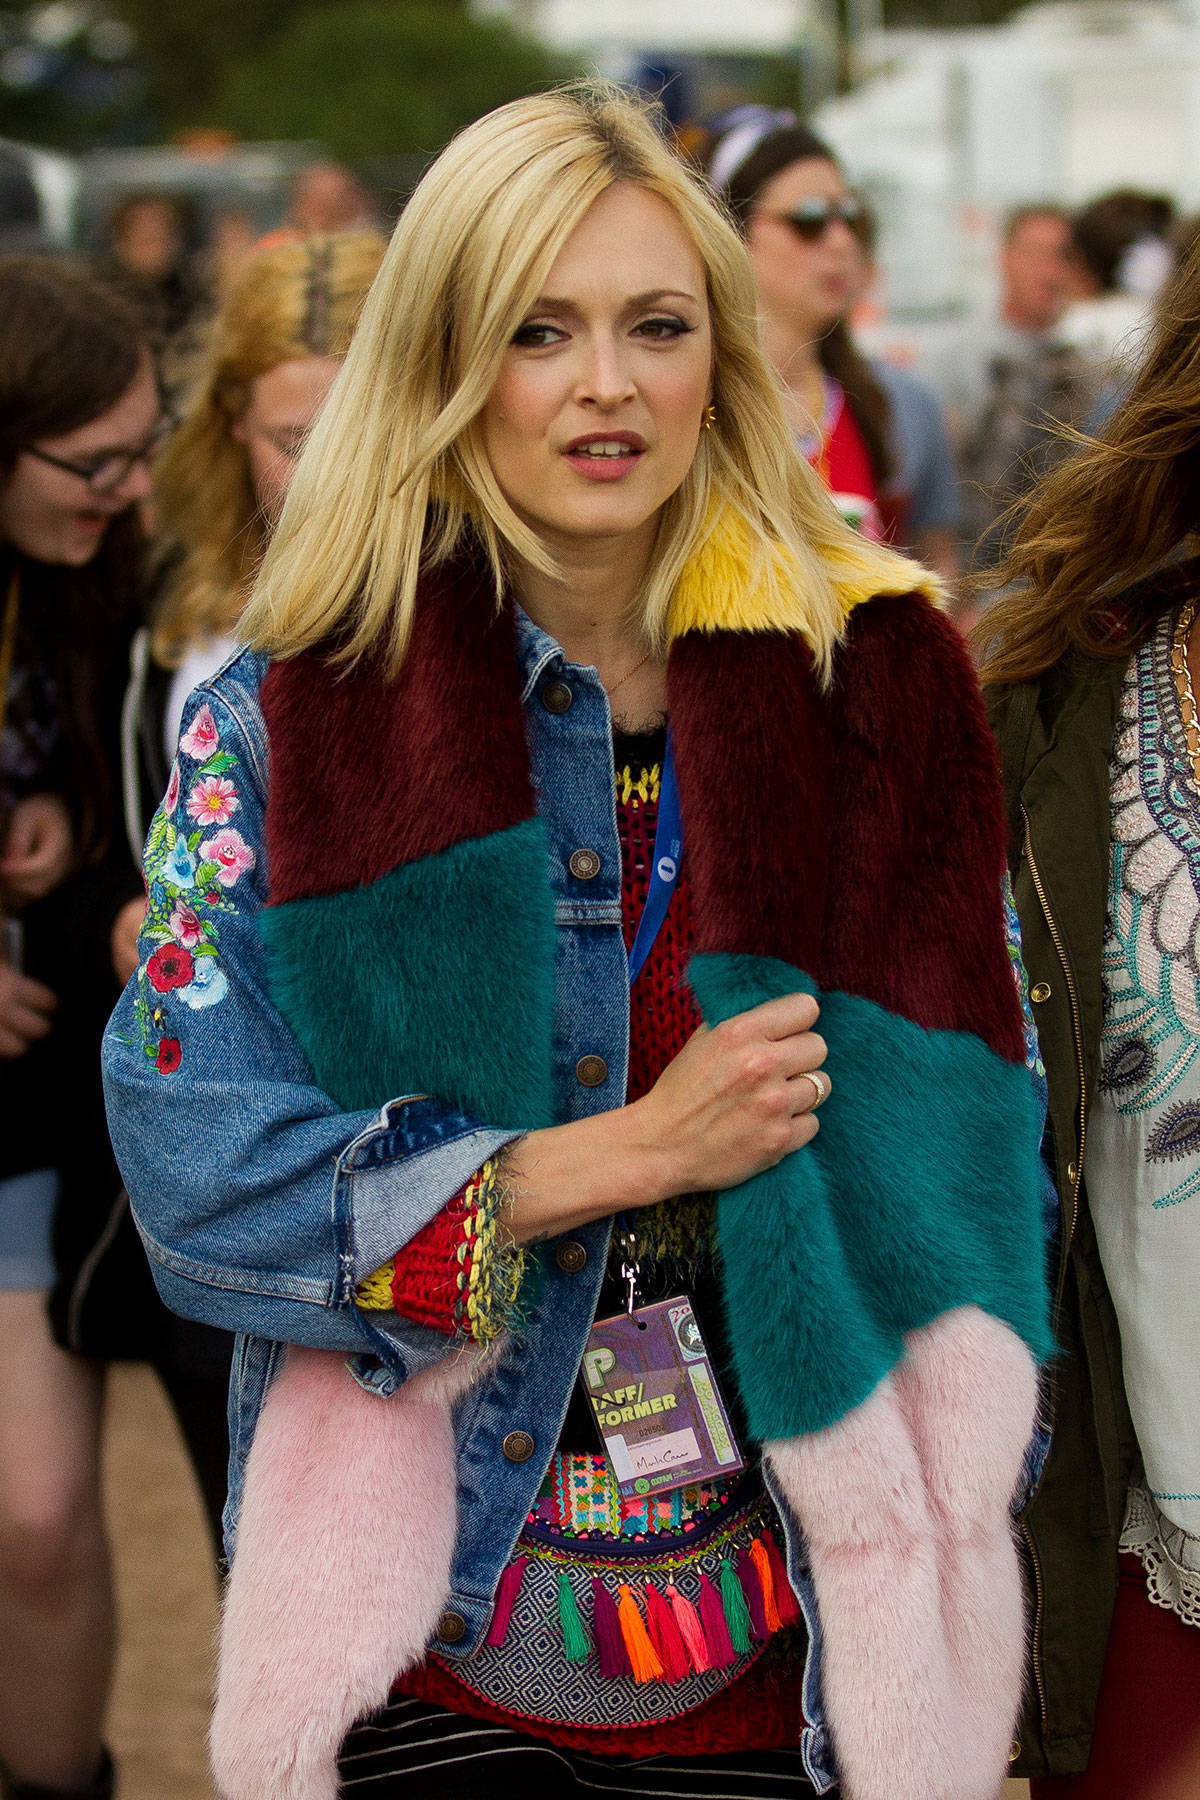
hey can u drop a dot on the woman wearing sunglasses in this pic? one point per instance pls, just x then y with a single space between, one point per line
806 235
79 419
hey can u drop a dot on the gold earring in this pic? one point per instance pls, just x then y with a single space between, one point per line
709 417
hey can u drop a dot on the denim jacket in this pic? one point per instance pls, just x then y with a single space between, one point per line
262 1204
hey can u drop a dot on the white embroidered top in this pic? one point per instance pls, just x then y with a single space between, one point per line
1143 1150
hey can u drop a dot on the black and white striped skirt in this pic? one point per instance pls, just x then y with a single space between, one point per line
414 1751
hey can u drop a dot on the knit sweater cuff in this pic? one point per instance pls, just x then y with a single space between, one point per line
460 1274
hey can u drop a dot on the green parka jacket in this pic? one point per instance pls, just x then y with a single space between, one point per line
1055 736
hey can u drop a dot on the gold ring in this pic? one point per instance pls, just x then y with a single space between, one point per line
822 1085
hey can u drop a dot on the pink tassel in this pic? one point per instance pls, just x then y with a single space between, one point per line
786 1602
664 1634
751 1586
716 1631
690 1629
606 1629
506 1599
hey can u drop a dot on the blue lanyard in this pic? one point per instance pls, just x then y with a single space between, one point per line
664 871
664 878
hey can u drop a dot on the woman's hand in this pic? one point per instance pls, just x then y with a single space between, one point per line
38 848
26 1011
123 941
736 1100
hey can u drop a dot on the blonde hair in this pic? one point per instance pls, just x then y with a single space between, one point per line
395 473
291 300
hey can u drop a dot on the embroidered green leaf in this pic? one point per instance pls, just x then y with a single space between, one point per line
194 840
158 836
206 872
205 950
217 765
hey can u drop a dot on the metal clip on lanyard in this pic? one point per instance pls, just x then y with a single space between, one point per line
664 877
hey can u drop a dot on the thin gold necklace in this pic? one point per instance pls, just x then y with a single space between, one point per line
1188 710
628 675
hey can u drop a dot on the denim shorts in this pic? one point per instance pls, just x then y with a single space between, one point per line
27 1205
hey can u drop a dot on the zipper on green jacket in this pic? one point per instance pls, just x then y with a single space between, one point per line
1076 1176
1075 1171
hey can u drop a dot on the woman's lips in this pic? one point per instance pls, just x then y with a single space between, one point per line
606 458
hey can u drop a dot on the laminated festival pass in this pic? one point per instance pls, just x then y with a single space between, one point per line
655 1400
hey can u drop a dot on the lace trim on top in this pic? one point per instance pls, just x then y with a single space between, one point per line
1169 1555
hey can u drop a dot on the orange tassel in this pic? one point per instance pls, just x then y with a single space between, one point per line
762 1563
643 1659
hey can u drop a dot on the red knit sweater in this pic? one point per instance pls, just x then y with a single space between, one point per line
761 1709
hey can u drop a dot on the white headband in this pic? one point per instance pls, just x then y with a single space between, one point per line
739 144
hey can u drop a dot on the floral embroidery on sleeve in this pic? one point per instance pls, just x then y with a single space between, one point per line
194 857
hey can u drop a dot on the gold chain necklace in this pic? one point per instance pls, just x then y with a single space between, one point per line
628 675
1189 712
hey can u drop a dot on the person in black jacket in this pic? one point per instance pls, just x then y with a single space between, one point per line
80 417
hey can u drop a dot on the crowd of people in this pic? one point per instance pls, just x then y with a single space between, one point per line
603 478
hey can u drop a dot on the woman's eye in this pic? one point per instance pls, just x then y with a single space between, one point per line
665 327
536 337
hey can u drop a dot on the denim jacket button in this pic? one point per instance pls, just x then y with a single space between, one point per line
518 1447
591 1071
570 1258
452 1628
584 865
557 697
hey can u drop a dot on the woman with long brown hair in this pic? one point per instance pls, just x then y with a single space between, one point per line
1092 656
806 235
79 418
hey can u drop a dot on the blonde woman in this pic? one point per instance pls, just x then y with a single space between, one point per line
483 1062
276 346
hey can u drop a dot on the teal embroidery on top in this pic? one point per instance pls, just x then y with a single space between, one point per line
1151 962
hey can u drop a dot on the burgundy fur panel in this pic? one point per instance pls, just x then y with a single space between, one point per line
404 768
751 735
859 834
913 915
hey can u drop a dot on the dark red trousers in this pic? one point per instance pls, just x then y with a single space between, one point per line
1149 1701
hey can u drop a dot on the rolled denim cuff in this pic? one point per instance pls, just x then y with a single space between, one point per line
399 1175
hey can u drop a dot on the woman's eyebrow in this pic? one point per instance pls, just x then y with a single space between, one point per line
549 303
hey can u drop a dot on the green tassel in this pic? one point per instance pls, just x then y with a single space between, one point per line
574 1636
737 1613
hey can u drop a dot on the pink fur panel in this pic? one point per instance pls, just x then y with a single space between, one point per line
968 1387
341 1569
892 1702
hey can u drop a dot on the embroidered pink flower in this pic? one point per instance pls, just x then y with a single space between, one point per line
213 801
232 854
200 739
170 967
171 800
185 925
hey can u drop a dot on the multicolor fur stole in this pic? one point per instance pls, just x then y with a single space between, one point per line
884 1285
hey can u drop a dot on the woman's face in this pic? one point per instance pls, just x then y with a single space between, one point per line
57 515
594 420
284 404
812 282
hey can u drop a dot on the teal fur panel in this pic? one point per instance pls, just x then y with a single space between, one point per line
436 979
920 1193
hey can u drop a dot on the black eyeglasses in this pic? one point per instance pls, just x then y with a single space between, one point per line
105 474
811 219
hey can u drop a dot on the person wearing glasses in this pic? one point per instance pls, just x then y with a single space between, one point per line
806 234
79 421
275 346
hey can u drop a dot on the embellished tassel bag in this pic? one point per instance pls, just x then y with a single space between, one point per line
667 1605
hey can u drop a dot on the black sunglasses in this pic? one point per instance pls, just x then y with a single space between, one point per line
811 219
